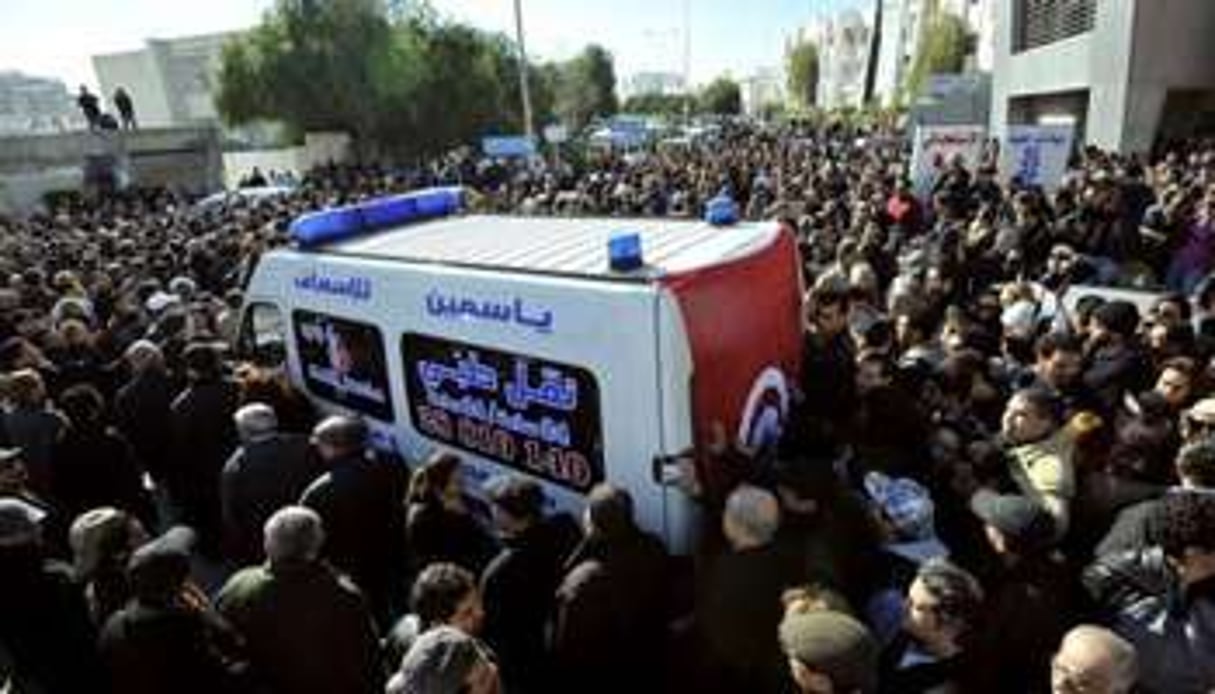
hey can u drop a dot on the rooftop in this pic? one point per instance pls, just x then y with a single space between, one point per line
561 246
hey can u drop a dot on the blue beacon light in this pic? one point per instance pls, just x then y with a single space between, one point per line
624 251
721 211
354 220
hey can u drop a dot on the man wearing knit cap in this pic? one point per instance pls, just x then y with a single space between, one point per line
829 652
1029 593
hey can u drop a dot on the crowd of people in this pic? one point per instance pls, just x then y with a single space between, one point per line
995 478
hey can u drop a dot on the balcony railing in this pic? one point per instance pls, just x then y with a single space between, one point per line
1043 22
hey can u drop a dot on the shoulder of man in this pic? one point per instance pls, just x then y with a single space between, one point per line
243 586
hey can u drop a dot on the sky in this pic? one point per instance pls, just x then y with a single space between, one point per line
56 38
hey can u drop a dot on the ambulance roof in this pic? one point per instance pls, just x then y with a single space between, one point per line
561 246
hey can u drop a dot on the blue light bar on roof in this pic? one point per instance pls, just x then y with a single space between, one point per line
350 221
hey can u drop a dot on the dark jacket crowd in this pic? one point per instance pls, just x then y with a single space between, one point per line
998 474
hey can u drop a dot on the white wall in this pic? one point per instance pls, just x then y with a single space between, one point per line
318 148
137 72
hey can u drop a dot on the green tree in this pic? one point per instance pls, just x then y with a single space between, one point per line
307 65
416 85
722 97
658 104
586 87
944 43
802 66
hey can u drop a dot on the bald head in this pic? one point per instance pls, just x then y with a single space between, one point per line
1094 659
255 421
293 534
751 518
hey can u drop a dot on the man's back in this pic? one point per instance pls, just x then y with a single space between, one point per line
1028 610
518 589
141 410
739 609
612 614
306 628
154 649
44 625
260 478
361 501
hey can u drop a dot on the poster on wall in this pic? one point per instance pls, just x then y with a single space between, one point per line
937 146
530 414
1036 155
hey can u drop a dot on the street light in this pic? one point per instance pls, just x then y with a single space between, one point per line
524 87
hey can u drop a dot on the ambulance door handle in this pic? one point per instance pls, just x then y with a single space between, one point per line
667 470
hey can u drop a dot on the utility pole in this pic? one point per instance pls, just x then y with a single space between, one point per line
524 86
687 59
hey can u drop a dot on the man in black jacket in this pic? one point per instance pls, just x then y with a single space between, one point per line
141 408
203 438
612 606
739 599
269 471
44 624
1030 596
165 639
361 499
518 586
1162 599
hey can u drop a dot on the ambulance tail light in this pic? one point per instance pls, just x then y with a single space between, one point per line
351 221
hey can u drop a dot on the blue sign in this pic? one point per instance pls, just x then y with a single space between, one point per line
514 312
351 287
508 146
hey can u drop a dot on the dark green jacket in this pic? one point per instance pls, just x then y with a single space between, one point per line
307 629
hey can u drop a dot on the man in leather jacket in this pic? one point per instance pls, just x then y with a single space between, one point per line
1162 599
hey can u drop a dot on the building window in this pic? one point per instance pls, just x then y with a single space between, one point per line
1043 22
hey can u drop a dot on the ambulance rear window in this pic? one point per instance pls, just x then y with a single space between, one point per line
530 414
343 362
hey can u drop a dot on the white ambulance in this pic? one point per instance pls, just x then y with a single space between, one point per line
572 350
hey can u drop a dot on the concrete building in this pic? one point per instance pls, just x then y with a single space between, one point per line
665 83
172 82
762 88
35 104
1126 72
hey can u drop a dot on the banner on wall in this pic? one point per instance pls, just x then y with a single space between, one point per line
1036 155
937 146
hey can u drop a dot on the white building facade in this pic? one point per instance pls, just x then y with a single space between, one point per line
763 88
664 83
1125 72
903 27
172 82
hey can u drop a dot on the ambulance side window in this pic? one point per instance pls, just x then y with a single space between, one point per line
343 361
263 336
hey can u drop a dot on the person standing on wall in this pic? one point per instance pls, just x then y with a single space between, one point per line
126 108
